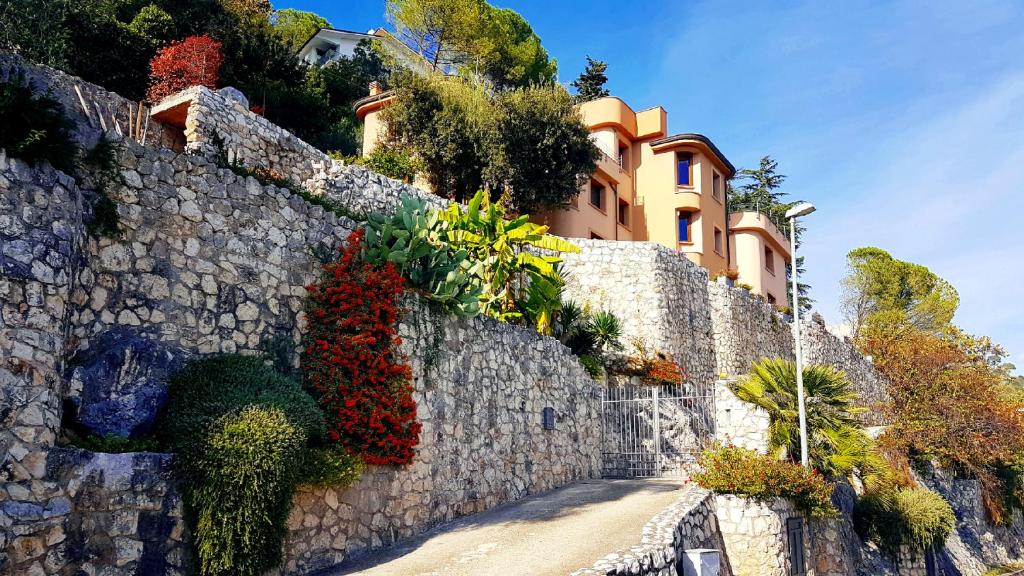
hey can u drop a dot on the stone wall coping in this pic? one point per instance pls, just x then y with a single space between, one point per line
658 541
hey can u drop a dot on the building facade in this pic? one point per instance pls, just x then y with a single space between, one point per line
649 185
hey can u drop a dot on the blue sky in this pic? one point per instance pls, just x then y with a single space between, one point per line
902 121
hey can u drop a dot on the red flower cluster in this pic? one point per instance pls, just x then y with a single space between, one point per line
194 61
657 369
351 362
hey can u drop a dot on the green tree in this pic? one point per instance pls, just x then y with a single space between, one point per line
473 38
759 190
154 24
545 148
512 52
295 27
590 83
35 29
449 125
881 289
446 33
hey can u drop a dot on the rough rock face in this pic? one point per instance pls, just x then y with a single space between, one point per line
121 382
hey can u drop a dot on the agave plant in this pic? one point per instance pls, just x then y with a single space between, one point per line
509 255
837 444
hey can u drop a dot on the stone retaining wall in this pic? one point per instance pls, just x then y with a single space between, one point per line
481 388
116 111
755 536
210 262
660 297
823 347
217 123
747 329
737 422
689 523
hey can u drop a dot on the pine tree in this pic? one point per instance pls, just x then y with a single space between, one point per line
590 83
759 190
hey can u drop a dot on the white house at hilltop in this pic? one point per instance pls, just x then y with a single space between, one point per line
330 44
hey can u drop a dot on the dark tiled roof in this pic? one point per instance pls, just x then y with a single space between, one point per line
371 99
698 138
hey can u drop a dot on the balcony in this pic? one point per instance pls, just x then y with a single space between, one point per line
609 111
760 220
612 168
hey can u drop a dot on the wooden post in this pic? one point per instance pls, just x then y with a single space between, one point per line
85 107
99 112
138 121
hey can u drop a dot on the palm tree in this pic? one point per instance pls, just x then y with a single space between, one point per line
837 444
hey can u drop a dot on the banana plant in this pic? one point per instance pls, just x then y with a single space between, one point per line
510 256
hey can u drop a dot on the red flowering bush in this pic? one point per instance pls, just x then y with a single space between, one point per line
732 470
194 61
351 363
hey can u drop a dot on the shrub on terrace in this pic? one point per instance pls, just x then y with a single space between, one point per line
913 517
392 161
243 494
194 61
244 436
35 127
732 470
508 255
590 336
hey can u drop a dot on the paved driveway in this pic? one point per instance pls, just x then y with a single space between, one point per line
554 533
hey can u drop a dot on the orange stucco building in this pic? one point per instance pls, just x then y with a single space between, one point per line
650 185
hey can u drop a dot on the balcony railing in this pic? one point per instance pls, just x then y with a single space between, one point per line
617 161
766 211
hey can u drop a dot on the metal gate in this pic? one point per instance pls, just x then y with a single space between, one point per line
653 431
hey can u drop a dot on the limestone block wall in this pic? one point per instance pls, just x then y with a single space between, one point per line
755 538
737 422
116 111
689 523
216 120
747 329
210 262
207 260
659 296
481 388
40 243
823 347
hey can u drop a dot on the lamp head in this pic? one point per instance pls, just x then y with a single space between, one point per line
801 209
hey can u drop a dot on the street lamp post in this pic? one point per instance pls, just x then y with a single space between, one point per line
801 209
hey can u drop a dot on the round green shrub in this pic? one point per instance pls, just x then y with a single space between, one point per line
329 466
241 490
211 387
916 518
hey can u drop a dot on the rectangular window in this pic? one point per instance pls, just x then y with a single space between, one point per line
716 186
769 260
597 195
718 241
623 212
795 540
684 227
623 156
684 169
771 298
